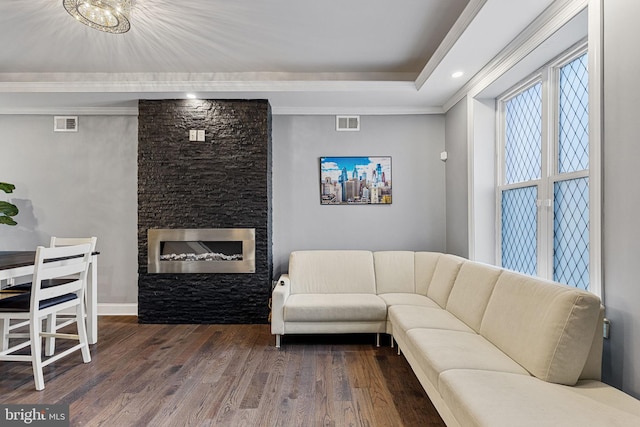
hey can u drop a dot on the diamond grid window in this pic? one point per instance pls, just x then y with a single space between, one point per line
519 229
571 232
523 115
573 146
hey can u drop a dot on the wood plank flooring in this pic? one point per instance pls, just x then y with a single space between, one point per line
226 375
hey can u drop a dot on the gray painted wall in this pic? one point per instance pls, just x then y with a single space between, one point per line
98 166
414 221
74 185
621 246
457 188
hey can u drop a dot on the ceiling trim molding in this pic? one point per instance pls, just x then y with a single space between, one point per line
213 82
72 111
459 27
547 23
373 111
284 111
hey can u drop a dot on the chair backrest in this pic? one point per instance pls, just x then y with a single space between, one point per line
70 263
70 241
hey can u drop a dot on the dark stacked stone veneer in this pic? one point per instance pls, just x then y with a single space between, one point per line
224 182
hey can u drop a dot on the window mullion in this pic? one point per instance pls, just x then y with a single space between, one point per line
545 195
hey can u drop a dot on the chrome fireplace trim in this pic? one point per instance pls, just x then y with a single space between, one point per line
155 236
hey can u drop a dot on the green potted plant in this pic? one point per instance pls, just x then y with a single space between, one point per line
7 210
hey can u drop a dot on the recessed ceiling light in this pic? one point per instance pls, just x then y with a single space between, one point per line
457 74
191 96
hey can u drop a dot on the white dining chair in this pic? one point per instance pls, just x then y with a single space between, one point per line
55 322
67 267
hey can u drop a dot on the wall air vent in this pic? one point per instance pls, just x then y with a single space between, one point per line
65 123
347 123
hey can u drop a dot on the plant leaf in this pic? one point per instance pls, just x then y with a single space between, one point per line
7 220
8 209
6 187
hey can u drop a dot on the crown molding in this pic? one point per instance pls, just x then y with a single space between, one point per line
203 82
547 23
71 111
362 111
459 27
284 111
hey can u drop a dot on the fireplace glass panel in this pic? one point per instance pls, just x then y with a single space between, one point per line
200 251
222 250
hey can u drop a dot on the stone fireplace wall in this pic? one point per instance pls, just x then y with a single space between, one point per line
223 182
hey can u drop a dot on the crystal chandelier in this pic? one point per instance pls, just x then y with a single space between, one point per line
110 16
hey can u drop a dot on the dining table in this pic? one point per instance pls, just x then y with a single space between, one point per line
17 264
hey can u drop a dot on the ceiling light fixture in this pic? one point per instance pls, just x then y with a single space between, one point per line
457 74
191 96
110 16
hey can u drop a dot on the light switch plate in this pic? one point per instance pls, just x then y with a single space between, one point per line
193 135
201 135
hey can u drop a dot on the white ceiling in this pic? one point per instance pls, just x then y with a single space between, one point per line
330 56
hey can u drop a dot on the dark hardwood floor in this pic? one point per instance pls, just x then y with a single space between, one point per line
226 375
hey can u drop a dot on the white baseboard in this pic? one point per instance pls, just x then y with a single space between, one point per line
117 309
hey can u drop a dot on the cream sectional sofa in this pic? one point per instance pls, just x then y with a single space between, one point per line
490 347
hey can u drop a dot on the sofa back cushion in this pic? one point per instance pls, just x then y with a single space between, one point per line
471 291
394 272
443 278
425 265
331 272
544 326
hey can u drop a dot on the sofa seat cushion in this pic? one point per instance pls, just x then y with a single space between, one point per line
439 350
489 398
403 298
407 317
334 308
608 395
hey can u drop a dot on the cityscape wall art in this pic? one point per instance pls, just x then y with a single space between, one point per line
355 180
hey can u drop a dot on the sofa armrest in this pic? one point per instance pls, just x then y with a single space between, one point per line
278 297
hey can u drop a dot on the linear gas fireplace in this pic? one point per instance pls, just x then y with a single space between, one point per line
208 250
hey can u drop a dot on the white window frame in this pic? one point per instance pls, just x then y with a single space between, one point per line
548 76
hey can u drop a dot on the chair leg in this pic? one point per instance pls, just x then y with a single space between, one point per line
36 354
4 328
50 342
378 339
82 333
278 341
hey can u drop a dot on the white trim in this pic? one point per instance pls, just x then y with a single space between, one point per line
117 309
71 111
595 63
214 82
459 27
284 111
471 237
361 111
545 190
547 23
499 178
